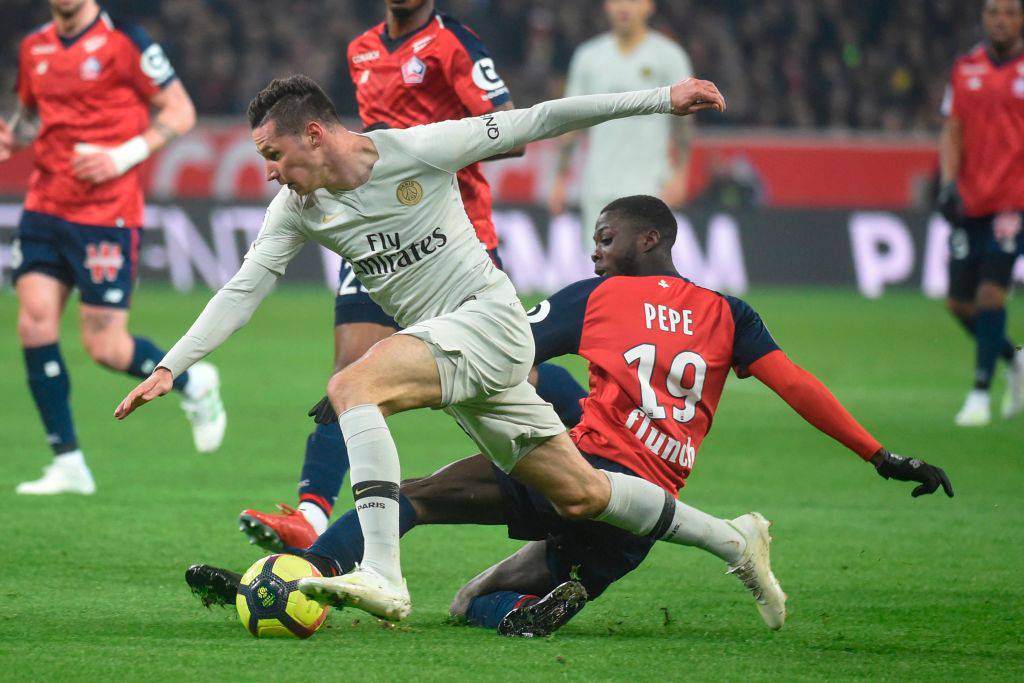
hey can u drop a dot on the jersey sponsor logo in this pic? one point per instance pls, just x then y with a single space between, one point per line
414 71
409 192
103 261
90 69
380 264
973 69
155 65
658 443
485 76
43 49
421 43
366 56
94 43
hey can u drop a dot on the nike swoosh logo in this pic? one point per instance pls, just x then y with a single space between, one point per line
329 217
359 492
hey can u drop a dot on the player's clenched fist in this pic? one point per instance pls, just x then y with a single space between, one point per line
693 95
154 386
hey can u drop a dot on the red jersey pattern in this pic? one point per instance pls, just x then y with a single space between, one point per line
660 349
437 73
988 100
93 88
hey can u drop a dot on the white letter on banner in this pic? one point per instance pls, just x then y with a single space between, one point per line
186 248
882 251
723 267
934 268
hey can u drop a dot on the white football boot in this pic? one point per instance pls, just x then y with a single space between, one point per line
1013 399
976 411
754 569
203 407
362 588
68 473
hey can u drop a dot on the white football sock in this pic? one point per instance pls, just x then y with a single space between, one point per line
315 515
692 527
70 459
635 505
375 473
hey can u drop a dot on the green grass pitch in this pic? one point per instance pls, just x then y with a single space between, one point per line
880 585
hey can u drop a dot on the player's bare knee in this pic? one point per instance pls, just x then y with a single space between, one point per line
35 329
990 296
579 505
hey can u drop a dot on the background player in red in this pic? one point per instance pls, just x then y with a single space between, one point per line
981 152
416 67
660 349
86 83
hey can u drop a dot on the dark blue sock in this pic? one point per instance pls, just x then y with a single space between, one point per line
145 356
1006 351
990 333
343 541
488 610
325 466
51 388
556 386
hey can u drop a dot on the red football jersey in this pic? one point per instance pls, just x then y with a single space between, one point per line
988 100
660 349
95 88
439 72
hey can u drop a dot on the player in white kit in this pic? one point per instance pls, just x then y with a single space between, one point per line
388 202
642 155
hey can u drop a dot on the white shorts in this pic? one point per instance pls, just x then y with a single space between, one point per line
484 351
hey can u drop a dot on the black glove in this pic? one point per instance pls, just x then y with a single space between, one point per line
323 412
906 469
949 202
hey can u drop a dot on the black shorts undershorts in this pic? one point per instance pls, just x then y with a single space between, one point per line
975 257
352 303
594 553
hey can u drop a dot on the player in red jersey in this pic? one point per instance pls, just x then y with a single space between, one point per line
660 348
85 87
416 67
981 152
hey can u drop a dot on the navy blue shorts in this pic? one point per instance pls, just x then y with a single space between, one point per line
100 261
975 257
595 553
353 304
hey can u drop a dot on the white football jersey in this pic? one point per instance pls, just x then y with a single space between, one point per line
627 156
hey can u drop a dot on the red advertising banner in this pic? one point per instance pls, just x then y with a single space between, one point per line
219 161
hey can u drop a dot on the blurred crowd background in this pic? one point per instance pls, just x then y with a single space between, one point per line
834 64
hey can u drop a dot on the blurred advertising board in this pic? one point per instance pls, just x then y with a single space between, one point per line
218 161
200 242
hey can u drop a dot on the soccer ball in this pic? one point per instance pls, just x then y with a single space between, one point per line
269 603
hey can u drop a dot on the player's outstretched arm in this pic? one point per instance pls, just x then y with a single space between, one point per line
815 403
229 309
453 145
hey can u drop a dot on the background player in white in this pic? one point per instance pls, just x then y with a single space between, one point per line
648 155
388 201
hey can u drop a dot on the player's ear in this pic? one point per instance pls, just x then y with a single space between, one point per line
314 134
648 240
